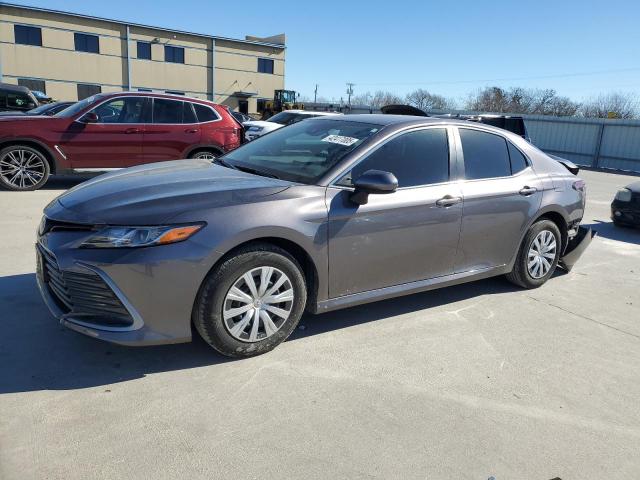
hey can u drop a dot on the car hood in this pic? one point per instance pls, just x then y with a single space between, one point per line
634 187
153 194
263 124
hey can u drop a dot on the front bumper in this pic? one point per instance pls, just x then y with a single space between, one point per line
576 247
625 212
153 289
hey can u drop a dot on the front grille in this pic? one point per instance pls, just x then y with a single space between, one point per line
49 225
84 295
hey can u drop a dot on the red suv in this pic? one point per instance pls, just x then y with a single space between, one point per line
113 130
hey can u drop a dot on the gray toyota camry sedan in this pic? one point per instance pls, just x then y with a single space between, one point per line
324 214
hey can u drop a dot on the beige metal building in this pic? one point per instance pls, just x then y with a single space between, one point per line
71 56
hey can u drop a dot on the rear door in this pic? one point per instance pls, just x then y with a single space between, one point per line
114 141
173 129
501 194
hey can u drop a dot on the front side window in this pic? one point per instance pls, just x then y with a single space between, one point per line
121 110
265 65
173 54
303 152
86 43
416 158
25 35
144 50
485 155
167 111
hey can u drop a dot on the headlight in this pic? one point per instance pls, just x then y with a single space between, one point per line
255 129
623 195
130 237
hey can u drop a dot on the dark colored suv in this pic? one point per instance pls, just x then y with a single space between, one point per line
109 131
16 98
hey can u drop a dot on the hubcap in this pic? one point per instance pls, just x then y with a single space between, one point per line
206 156
22 168
258 304
542 253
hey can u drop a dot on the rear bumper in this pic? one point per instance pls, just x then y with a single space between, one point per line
576 247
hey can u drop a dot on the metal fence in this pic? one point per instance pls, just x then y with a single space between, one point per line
592 142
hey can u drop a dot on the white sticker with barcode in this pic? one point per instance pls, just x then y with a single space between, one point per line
340 140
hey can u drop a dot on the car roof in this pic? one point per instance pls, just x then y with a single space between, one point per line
310 112
12 87
382 119
157 95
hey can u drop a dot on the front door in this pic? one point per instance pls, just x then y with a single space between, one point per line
243 106
501 194
401 237
113 141
172 131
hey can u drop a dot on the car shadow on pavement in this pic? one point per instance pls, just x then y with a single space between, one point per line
37 353
612 232
65 182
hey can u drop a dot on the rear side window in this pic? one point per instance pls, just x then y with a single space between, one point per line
518 161
188 115
416 158
204 113
485 155
167 111
19 101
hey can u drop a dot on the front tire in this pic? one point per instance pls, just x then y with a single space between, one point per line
23 168
205 154
538 255
252 302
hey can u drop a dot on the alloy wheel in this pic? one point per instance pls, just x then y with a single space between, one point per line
258 304
542 254
205 156
22 169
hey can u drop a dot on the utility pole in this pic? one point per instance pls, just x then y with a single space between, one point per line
315 94
349 92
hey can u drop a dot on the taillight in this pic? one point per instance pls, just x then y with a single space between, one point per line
579 185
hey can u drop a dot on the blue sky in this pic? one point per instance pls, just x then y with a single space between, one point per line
579 48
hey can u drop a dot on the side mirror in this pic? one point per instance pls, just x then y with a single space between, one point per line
89 117
373 182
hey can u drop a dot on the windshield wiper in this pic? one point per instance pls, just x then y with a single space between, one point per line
256 172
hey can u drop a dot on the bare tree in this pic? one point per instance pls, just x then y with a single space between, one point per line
612 105
424 100
521 100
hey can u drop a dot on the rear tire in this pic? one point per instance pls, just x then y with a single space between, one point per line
538 255
23 168
260 283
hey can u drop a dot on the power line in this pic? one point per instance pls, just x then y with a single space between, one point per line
506 79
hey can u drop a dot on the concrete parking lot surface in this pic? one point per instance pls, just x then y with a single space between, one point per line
468 382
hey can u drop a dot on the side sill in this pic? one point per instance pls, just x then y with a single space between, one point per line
408 288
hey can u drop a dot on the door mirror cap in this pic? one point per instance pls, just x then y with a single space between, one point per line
89 117
373 182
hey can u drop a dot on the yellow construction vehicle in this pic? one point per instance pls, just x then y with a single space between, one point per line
282 100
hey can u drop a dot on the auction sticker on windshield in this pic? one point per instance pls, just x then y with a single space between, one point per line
340 140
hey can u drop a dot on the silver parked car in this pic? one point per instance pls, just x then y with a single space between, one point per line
324 214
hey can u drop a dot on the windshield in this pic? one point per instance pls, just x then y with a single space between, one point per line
303 152
41 109
287 118
78 107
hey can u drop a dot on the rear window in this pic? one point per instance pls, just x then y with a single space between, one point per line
485 155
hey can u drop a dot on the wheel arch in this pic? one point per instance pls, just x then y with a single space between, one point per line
304 259
35 144
561 222
201 147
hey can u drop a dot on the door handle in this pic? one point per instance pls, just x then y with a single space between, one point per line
191 130
526 191
448 201
132 130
